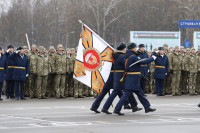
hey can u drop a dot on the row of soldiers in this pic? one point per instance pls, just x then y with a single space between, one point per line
184 72
51 74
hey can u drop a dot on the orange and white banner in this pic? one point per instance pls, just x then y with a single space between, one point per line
93 61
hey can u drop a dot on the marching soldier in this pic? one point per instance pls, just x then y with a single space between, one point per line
198 73
144 67
175 69
42 73
132 82
193 63
51 76
21 72
10 83
33 71
161 70
78 86
60 69
3 67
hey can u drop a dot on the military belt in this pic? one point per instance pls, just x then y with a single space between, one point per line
133 73
118 70
144 65
1 68
17 67
161 66
112 71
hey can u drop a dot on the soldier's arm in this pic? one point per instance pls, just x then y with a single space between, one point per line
27 66
170 61
167 65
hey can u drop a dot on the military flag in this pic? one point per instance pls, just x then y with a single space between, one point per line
93 61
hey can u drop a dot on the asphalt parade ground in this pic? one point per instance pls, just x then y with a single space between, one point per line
173 115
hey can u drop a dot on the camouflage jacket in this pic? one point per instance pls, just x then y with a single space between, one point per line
193 63
42 65
73 59
184 63
152 67
69 65
32 62
51 59
175 62
198 61
60 63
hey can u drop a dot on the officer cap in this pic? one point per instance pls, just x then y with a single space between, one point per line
165 45
41 48
25 47
141 45
19 48
10 46
176 47
181 47
121 46
0 48
59 46
131 45
160 48
51 47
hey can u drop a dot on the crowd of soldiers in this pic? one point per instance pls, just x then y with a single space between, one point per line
184 72
50 74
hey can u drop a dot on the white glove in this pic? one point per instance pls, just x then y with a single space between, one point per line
165 73
8 50
27 75
17 51
148 71
154 57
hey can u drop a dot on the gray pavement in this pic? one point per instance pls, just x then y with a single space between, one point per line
173 115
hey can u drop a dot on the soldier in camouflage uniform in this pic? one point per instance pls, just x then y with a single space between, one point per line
184 64
168 80
51 76
78 86
42 72
60 69
148 84
69 75
175 69
33 72
151 73
198 72
193 63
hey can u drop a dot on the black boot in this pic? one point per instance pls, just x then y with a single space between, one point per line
149 110
136 109
95 110
106 111
127 107
118 112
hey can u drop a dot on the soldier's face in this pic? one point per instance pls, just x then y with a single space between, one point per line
21 51
142 49
0 51
72 51
177 49
166 47
33 49
11 50
199 51
42 51
25 50
193 51
161 52
60 49
182 49
51 50
171 49
188 51
68 52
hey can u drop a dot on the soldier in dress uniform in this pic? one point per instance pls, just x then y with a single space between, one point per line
144 67
21 71
161 70
132 84
10 83
3 67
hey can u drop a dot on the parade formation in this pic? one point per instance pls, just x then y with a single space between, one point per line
38 73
